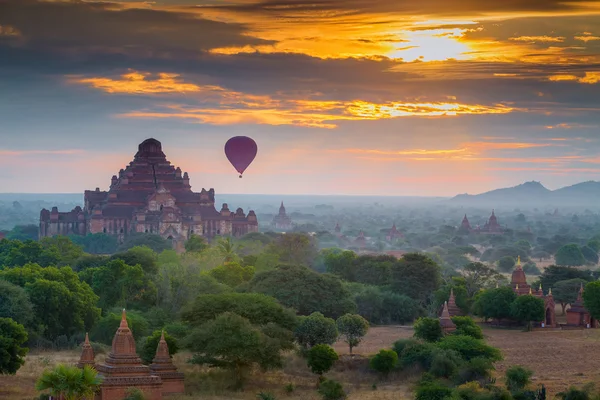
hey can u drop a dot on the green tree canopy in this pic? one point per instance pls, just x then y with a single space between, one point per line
148 346
479 276
305 291
566 292
506 264
428 329
69 382
62 303
591 299
232 274
104 330
495 303
384 362
316 329
469 347
15 304
96 243
416 275
321 358
196 244
467 327
554 273
590 254
295 249
12 353
143 256
155 242
352 328
258 308
569 255
69 251
233 342
340 263
528 308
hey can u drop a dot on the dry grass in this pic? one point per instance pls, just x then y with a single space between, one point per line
559 359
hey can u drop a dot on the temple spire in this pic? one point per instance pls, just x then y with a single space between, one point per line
123 320
446 321
87 353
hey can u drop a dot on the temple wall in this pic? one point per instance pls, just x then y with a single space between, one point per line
172 386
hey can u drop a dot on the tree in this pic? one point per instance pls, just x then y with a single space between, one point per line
155 242
470 348
590 254
565 292
232 342
384 362
226 249
569 255
232 274
258 308
340 263
478 276
24 232
104 330
352 328
96 243
554 273
416 275
149 345
321 358
316 329
69 382
506 264
467 327
517 378
528 308
331 390
295 249
495 303
195 244
428 329
305 291
144 256
12 337
591 299
15 304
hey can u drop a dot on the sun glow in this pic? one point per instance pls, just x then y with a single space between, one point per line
432 45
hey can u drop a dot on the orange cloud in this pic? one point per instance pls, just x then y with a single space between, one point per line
587 37
544 39
589 78
137 83
8 31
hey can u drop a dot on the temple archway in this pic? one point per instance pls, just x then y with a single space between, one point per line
548 317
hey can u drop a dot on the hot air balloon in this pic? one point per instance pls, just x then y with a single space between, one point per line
240 151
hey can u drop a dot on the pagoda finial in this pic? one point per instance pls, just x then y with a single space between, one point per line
519 261
87 338
517 286
530 292
550 292
124 319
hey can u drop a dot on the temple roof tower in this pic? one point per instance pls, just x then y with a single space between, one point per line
282 221
518 280
162 365
452 307
465 224
445 320
123 368
87 354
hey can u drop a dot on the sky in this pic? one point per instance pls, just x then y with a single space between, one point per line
355 97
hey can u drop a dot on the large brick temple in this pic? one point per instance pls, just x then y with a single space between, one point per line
150 195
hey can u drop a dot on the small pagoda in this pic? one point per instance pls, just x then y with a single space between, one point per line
453 308
445 321
87 354
162 366
578 315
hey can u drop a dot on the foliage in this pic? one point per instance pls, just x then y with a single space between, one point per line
530 268
316 329
479 276
469 347
105 329
416 276
457 285
352 328
320 358
63 305
232 342
495 303
517 378
566 292
380 306
295 249
467 327
428 329
121 284
331 390
195 244
590 254
265 396
232 274
257 308
12 338
69 382
96 243
574 393
340 263
144 256
305 291
528 308
432 390
155 242
15 304
569 255
506 264
23 233
554 273
134 393
384 362
591 299
149 345
417 354
14 253
445 363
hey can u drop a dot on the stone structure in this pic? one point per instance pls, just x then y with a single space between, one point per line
361 240
465 225
445 321
123 368
149 195
393 234
452 307
281 221
492 227
87 354
577 315
521 287
162 366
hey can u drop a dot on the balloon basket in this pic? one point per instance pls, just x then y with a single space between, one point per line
240 177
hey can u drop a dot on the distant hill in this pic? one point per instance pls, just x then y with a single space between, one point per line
535 194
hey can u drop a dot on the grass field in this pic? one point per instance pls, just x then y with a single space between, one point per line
559 359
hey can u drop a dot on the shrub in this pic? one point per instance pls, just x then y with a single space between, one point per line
470 348
417 355
316 329
384 361
290 387
353 328
445 363
432 391
331 390
477 369
428 329
467 327
265 396
148 346
401 344
134 393
321 358
517 378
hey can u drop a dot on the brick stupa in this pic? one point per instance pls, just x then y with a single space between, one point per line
87 354
452 307
123 369
162 366
445 321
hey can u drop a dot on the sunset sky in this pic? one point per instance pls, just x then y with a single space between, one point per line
383 97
